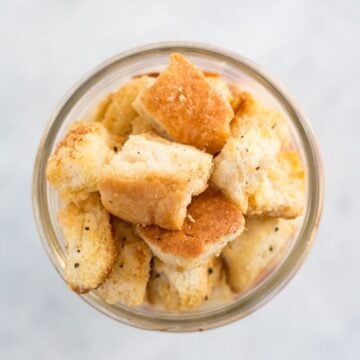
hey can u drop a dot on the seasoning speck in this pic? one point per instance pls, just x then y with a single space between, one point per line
115 149
210 270
78 250
257 168
276 229
87 228
206 298
157 276
76 265
271 248
247 150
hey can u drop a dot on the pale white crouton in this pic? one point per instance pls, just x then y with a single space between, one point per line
250 256
280 190
182 290
152 180
241 161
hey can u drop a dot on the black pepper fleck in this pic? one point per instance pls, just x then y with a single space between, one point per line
115 149
276 229
78 250
76 265
210 270
121 265
87 228
206 298
257 168
271 248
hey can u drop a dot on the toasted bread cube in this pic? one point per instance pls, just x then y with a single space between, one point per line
183 106
252 254
241 161
211 223
182 290
120 112
129 276
152 180
280 190
90 247
75 166
251 114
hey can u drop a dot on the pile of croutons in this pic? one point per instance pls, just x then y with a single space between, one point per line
180 184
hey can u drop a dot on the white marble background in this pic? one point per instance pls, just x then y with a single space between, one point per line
312 46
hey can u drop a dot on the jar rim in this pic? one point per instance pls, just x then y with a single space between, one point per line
265 290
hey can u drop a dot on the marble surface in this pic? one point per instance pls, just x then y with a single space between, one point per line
313 47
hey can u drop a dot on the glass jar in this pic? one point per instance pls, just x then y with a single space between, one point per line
149 59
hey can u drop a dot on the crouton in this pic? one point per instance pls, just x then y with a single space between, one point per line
152 180
280 190
241 161
90 246
183 106
250 255
182 290
120 112
212 222
75 166
251 114
128 278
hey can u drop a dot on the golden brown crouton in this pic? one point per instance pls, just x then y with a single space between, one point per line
90 247
182 290
252 253
128 278
184 107
75 166
280 190
152 180
212 222
120 112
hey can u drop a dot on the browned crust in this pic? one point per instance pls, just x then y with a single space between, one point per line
210 217
76 135
186 107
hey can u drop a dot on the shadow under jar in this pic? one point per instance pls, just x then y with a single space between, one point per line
118 70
